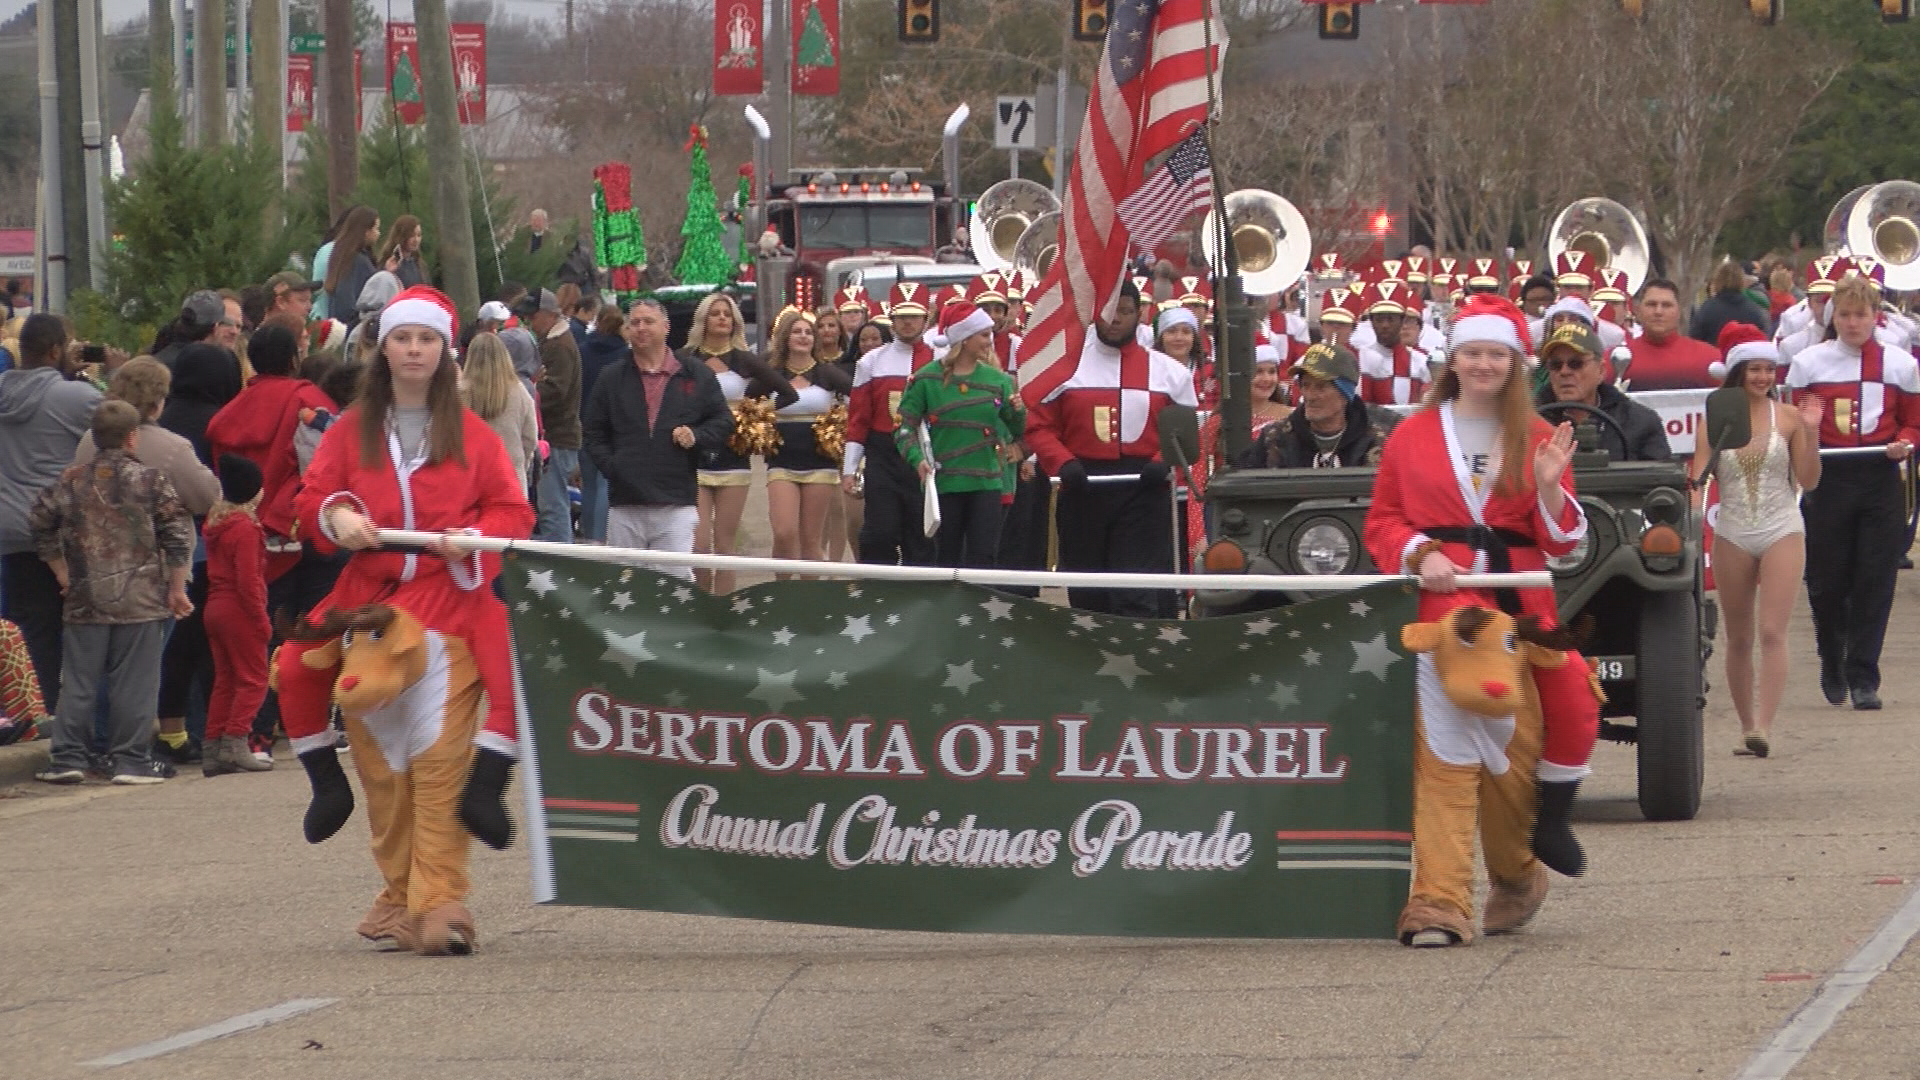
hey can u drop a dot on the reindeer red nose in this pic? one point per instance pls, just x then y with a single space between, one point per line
1496 689
348 682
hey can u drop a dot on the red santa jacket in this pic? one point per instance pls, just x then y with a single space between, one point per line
1396 377
1871 394
483 494
1109 408
879 378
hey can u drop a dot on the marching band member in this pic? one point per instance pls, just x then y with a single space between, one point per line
1340 310
1609 307
1178 336
973 416
988 293
1391 373
890 532
1869 395
1103 420
1476 481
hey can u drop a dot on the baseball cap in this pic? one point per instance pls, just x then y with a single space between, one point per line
495 311
290 281
1576 337
1332 362
544 300
204 307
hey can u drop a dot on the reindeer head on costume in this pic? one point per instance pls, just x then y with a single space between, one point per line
380 651
1482 655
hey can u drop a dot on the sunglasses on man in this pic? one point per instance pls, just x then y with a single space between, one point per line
1566 363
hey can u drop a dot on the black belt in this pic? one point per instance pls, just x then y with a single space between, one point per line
1498 545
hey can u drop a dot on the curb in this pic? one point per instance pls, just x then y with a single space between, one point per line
19 762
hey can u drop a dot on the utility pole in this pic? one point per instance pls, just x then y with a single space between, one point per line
454 234
269 107
1063 140
180 80
210 72
92 144
73 188
53 226
343 112
779 56
242 35
159 46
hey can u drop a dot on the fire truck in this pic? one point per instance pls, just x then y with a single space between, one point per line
823 228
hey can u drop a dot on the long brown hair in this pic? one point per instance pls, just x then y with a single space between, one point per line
778 349
350 240
445 411
1516 421
403 229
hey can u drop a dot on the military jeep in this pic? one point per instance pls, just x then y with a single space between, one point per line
1637 574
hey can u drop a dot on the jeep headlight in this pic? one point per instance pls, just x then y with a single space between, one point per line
1576 559
1324 546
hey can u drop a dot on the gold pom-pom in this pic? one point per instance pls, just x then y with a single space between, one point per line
753 428
830 432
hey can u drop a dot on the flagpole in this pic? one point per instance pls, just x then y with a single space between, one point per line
1232 320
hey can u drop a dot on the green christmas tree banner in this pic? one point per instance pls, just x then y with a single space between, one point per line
946 757
403 73
816 47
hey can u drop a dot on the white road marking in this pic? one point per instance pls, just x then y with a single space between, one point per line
1796 1038
286 1010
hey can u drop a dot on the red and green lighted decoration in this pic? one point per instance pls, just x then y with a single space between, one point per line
616 229
703 257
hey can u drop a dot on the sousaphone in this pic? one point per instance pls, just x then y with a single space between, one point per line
1882 222
1610 235
1269 237
1038 246
1001 217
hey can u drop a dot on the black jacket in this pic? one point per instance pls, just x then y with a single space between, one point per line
597 351
643 467
205 377
1289 444
1646 433
1723 307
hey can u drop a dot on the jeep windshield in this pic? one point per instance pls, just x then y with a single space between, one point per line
866 227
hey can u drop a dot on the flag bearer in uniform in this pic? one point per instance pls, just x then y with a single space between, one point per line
1103 420
890 533
1856 522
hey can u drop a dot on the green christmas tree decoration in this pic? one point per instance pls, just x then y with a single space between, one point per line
406 81
703 256
816 48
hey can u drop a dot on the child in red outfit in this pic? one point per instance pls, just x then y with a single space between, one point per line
236 618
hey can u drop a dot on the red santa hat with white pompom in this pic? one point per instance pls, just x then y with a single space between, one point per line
1490 317
1739 343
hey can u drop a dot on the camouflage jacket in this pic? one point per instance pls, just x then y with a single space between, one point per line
121 529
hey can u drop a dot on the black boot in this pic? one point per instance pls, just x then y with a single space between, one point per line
483 806
1553 841
332 801
1833 683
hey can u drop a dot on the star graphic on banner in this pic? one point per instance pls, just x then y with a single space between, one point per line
1153 650
1294 634
1246 646
753 622
1113 641
666 609
1176 707
523 607
993 707
555 664
965 620
961 677
626 651
1379 727
1172 635
1090 708
622 600
859 627
742 605
1283 696
893 620
819 652
1121 666
997 609
1359 607
1260 627
837 679
676 698
783 636
1373 657
1086 622
596 590
1006 643
853 591
541 582
1326 626
1311 658
1254 679
776 690
683 594
937 709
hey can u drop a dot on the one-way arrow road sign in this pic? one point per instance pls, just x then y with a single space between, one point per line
1013 127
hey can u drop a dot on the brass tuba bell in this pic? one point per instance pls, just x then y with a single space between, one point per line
1269 237
1882 222
1608 232
1001 215
1038 246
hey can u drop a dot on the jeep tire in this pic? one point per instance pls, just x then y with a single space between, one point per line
1670 748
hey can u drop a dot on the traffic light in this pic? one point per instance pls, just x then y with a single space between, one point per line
1893 11
919 21
1766 12
1340 22
1090 20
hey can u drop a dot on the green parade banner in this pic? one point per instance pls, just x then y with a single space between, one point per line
942 756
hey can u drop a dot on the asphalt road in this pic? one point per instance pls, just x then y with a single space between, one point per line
136 915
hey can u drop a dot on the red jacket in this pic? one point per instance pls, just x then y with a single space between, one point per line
258 425
237 568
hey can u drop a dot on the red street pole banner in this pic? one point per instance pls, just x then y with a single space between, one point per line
470 70
737 55
299 91
938 756
816 47
403 73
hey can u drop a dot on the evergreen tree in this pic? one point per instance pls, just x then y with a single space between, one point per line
816 48
703 255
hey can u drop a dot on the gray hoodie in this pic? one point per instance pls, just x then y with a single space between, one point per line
42 416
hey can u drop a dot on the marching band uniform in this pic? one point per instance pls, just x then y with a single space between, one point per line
1608 298
1340 310
1103 420
1393 374
890 533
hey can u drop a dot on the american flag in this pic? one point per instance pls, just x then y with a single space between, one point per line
1182 185
1152 87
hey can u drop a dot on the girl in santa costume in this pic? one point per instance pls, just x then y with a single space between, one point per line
409 455
1477 482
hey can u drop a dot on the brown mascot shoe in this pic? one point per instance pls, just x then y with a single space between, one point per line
1430 926
1510 907
389 928
446 931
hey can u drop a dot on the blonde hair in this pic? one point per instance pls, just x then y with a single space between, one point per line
1855 291
143 383
489 376
1516 420
697 334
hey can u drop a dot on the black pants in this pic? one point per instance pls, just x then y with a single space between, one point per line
187 656
1856 522
1023 534
32 601
891 533
969 529
1124 527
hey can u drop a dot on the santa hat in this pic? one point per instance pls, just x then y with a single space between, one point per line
1739 343
1486 317
421 305
960 320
